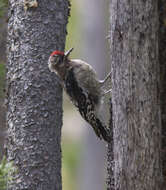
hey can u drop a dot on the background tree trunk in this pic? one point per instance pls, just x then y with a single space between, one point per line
3 31
135 94
34 108
162 60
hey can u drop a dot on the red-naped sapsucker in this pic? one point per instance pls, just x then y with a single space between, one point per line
84 89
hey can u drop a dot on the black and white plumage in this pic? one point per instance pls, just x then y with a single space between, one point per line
84 89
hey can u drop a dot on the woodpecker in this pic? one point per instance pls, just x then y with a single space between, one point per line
83 88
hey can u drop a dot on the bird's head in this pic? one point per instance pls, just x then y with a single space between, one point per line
57 59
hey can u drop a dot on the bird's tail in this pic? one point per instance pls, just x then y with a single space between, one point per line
102 131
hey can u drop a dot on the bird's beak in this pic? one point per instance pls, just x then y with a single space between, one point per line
68 52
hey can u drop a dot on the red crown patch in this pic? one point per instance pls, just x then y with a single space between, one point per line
57 53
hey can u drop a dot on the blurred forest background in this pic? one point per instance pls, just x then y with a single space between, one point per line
82 152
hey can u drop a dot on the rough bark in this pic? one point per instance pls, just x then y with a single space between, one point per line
110 157
34 108
162 60
135 94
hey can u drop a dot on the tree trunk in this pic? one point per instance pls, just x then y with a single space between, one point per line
162 60
34 108
135 94
110 157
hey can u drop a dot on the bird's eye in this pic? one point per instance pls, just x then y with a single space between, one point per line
57 60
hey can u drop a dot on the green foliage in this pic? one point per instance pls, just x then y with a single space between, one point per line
73 28
71 152
6 171
70 160
3 5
